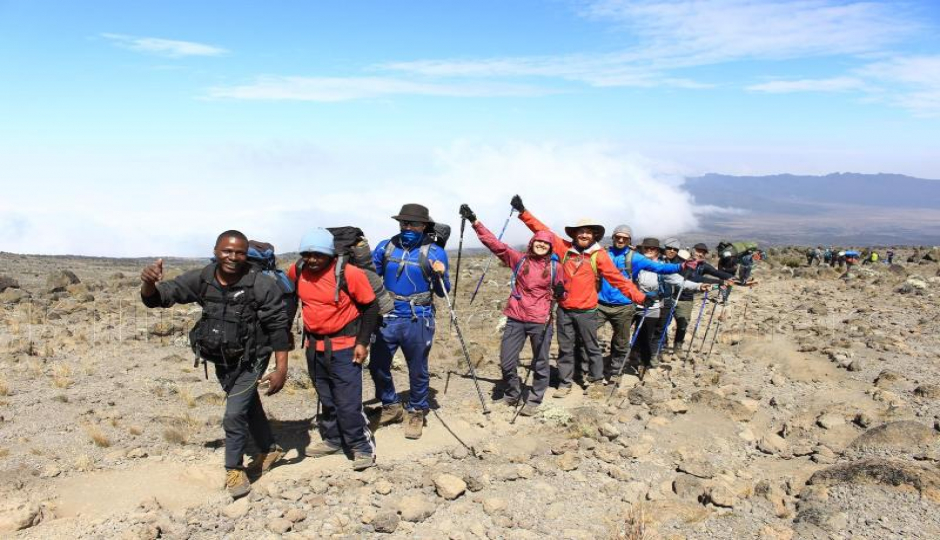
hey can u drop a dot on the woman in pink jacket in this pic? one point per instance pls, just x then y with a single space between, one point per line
536 280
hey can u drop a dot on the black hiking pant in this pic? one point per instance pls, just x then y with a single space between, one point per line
244 414
578 328
514 337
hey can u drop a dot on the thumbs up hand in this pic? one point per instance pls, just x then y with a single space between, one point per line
153 273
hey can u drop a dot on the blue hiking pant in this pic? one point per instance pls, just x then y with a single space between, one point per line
338 381
414 337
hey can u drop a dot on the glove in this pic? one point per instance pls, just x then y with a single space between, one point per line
651 298
689 265
467 214
558 291
516 204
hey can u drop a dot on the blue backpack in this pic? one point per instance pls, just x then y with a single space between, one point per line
261 255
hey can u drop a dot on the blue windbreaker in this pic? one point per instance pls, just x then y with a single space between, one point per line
611 295
411 281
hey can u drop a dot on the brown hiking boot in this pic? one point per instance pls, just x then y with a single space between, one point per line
529 409
321 449
236 483
262 463
561 392
392 414
414 425
362 461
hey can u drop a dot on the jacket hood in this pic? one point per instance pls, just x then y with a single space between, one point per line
544 236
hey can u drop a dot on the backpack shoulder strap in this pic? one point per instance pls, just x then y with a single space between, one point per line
515 274
594 261
339 273
298 268
425 263
389 249
205 276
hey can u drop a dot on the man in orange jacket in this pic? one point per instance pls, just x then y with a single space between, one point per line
584 262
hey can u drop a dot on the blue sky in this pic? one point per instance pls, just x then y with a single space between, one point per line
132 128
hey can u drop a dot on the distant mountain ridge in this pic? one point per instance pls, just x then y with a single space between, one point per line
849 208
802 194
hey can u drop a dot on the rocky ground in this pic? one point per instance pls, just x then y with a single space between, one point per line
815 416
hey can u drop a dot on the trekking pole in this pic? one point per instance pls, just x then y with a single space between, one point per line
488 261
463 224
672 311
695 330
463 345
708 326
636 333
721 316
469 448
525 383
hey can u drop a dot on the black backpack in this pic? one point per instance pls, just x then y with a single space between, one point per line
228 331
351 246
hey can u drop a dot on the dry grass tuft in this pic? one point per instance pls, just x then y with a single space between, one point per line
4 452
97 436
175 435
84 463
61 376
135 430
61 398
187 397
636 525
5 389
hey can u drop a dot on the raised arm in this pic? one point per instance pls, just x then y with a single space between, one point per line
609 271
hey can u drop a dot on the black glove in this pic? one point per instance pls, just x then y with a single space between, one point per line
467 214
516 204
651 298
558 290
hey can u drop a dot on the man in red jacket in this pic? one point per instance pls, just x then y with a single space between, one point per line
337 331
583 262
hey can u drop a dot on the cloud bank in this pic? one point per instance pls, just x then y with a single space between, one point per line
146 214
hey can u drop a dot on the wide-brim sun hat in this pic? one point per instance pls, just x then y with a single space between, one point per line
592 224
700 246
650 243
414 212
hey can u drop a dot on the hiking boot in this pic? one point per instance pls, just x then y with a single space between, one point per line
414 424
529 409
561 392
613 380
510 401
641 371
262 463
392 414
362 461
236 483
321 449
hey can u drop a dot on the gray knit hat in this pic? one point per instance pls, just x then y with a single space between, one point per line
673 243
625 230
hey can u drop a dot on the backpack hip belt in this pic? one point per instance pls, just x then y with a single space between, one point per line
350 330
417 299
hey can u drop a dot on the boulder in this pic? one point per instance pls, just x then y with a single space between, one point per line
386 522
18 514
449 486
415 508
905 437
883 472
59 280
734 409
688 487
13 296
8 283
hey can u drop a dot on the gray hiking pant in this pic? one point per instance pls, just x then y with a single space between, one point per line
514 338
244 414
578 328
682 316
620 319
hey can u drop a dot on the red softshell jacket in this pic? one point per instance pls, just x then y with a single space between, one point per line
580 280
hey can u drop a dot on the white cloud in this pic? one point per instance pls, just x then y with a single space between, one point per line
164 47
331 89
675 35
915 81
310 187
836 84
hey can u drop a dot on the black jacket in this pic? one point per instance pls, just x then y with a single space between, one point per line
273 324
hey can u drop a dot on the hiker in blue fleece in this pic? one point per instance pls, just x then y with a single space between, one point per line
617 309
410 264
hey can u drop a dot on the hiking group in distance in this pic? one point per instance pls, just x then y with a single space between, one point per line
360 304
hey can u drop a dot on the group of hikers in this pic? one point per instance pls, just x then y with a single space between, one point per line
840 258
358 304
